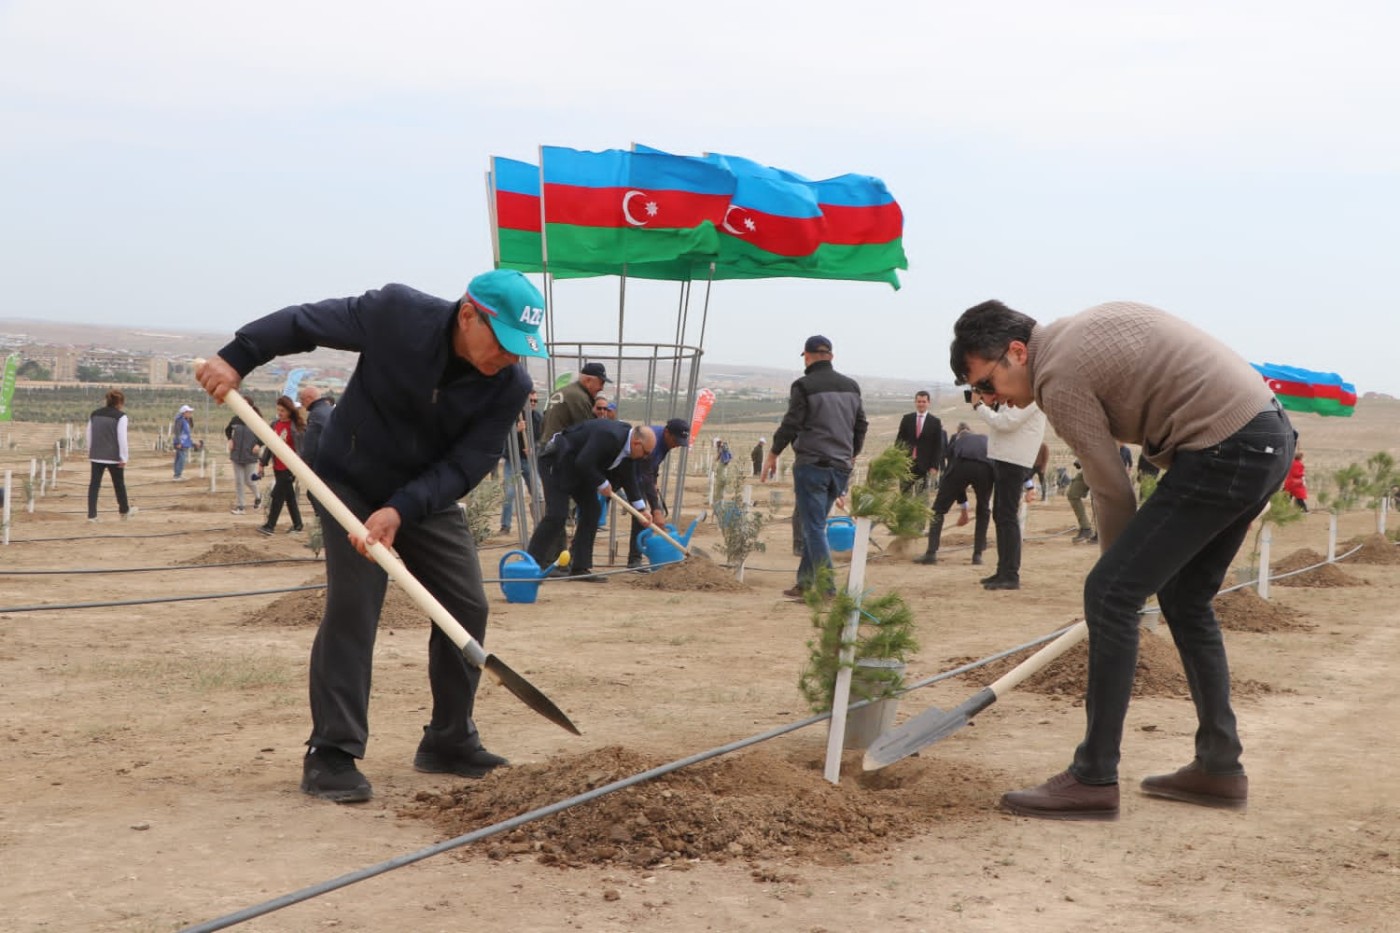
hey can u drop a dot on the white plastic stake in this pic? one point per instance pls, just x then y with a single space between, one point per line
1331 537
1265 540
5 509
43 478
841 696
33 487
1380 516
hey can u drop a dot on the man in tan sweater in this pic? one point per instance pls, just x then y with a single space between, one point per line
1132 372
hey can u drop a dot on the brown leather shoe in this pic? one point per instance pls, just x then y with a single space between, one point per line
1063 797
1193 784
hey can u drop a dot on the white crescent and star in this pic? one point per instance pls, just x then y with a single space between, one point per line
650 208
749 225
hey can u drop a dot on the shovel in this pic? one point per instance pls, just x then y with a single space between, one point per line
934 724
470 647
645 520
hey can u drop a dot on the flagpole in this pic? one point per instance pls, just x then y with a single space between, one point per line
548 283
491 215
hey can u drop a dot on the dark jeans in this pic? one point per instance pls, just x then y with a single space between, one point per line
816 489
283 491
441 554
1010 486
953 489
1179 545
559 489
118 485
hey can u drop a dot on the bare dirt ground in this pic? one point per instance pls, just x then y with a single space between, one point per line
151 751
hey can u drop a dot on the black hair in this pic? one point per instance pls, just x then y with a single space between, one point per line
985 331
923 393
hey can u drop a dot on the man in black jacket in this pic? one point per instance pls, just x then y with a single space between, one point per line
420 423
582 463
968 465
825 424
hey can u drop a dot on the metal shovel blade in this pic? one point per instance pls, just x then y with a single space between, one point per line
930 726
527 693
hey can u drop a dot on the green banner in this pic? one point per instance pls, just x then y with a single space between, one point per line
563 379
7 386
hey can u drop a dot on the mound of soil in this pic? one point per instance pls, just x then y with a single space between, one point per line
690 574
1375 549
226 554
757 805
305 608
1159 672
1322 573
1243 611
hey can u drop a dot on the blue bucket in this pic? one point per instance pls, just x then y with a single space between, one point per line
841 533
523 575
603 504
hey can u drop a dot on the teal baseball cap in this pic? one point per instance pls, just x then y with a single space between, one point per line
515 308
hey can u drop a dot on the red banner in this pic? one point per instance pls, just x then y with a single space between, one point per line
704 401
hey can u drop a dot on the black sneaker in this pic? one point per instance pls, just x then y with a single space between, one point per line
930 558
994 578
977 559
330 774
266 531
634 563
1006 583
476 763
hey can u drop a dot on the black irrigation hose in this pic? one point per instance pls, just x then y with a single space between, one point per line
290 589
485 832
232 563
160 534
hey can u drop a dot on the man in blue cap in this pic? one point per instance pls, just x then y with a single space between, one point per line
420 423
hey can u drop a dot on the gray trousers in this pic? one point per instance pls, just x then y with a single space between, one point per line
440 553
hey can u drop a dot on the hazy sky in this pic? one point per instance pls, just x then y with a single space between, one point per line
182 164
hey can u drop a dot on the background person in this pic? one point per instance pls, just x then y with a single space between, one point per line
108 452
669 436
1296 485
289 427
526 464
182 438
243 451
412 346
825 425
583 463
968 467
921 433
1012 445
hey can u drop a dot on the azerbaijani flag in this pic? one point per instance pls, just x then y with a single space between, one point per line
1307 390
515 189
605 209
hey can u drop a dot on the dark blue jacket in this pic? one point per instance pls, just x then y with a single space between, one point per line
417 426
584 454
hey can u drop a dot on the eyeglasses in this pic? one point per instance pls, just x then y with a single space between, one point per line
984 385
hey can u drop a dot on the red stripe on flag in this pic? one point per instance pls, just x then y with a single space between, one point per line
1295 389
773 233
853 226
517 211
611 207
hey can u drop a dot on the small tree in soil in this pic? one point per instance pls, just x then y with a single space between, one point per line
886 632
740 524
481 507
1280 512
882 499
315 536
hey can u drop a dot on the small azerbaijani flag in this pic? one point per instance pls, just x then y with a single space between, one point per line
1307 390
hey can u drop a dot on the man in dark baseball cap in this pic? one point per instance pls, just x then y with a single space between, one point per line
816 344
597 370
673 433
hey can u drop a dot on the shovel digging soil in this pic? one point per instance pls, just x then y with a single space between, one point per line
934 724
470 648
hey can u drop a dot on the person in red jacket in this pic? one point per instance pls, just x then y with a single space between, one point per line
288 426
1296 485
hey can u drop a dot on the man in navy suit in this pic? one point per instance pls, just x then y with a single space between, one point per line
581 463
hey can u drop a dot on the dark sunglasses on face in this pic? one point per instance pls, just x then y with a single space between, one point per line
984 385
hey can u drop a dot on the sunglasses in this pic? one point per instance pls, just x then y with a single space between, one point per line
984 385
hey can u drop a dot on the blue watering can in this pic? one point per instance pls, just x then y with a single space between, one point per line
660 551
520 579
603 503
841 533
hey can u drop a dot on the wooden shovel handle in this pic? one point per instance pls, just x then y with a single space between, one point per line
1038 661
384 557
648 522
